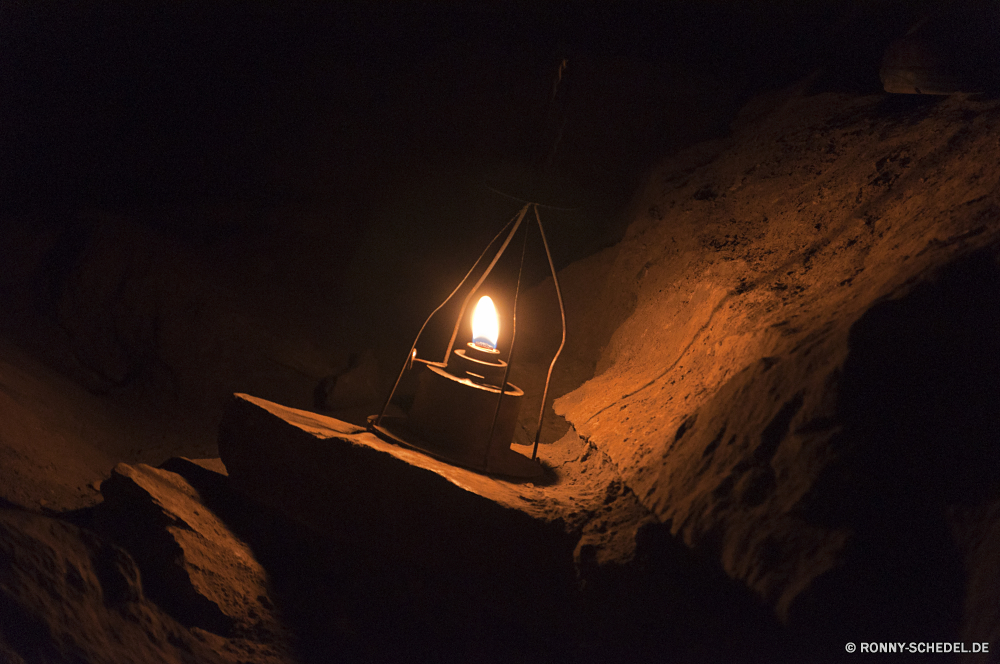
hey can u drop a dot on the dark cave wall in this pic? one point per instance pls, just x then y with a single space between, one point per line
150 102
203 199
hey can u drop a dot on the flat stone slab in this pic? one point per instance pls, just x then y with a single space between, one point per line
448 557
351 485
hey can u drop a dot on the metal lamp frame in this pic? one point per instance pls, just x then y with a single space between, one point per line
411 357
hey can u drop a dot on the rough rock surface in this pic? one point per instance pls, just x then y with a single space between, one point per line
349 483
56 440
574 568
802 383
66 596
192 563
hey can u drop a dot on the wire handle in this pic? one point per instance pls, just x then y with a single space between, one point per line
510 354
562 342
411 355
482 278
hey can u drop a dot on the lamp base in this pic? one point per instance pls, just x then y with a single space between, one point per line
463 419
502 462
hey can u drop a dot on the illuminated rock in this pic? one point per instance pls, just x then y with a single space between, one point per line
193 564
66 596
801 385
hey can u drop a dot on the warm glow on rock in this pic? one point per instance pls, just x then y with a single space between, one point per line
485 326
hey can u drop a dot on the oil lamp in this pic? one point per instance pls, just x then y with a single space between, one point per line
464 410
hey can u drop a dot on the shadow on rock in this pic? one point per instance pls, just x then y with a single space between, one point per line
918 399
346 603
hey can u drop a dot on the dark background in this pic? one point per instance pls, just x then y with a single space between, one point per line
127 105
322 169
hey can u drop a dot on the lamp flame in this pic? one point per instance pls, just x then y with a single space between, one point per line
485 326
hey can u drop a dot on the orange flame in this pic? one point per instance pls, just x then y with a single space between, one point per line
485 326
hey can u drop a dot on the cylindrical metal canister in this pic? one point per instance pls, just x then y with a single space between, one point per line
454 415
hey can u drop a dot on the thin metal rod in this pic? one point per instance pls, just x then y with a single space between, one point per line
482 278
409 356
521 200
510 354
562 314
563 64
